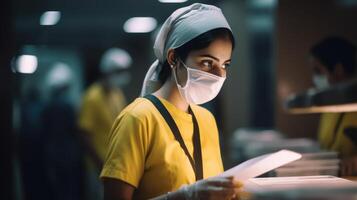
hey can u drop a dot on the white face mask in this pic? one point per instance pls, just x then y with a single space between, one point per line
119 80
320 81
200 87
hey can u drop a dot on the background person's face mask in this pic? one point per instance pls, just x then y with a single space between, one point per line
320 81
119 79
200 87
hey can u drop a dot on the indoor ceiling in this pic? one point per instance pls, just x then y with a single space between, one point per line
86 22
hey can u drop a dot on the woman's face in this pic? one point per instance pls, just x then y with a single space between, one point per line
214 59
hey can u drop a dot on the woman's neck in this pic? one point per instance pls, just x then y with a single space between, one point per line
170 92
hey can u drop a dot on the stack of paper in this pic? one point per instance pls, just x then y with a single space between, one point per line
302 188
297 182
247 171
323 163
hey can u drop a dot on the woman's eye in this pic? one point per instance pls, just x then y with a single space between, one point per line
225 66
207 64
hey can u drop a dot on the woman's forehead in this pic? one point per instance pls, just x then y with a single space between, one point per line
220 48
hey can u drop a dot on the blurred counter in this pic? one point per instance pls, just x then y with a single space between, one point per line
339 98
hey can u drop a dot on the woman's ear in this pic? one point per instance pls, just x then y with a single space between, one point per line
171 58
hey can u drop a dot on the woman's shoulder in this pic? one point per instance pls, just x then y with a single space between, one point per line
140 108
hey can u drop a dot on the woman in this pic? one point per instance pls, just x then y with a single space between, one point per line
165 144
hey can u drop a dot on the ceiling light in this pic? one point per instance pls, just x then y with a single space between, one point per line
50 18
26 64
140 25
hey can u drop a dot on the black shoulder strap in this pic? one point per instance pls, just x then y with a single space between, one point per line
196 162
337 127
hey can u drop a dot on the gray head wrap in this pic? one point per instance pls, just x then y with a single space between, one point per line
182 26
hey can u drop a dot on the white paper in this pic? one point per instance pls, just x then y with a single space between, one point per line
262 164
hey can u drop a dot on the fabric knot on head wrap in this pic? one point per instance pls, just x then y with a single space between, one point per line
182 26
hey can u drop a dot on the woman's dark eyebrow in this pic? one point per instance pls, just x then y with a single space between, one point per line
214 58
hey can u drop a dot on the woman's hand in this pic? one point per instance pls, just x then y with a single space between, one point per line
213 188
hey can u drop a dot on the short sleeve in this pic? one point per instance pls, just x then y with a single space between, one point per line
127 149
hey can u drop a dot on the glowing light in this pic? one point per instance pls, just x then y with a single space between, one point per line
50 18
140 25
26 64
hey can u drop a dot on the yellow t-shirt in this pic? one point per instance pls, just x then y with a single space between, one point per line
144 153
98 113
336 140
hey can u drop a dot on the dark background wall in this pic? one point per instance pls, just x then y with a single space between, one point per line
6 78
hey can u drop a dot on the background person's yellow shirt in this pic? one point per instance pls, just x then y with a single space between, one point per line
144 153
335 139
98 113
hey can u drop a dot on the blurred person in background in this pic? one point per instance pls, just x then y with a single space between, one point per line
31 147
164 145
334 61
63 157
101 104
